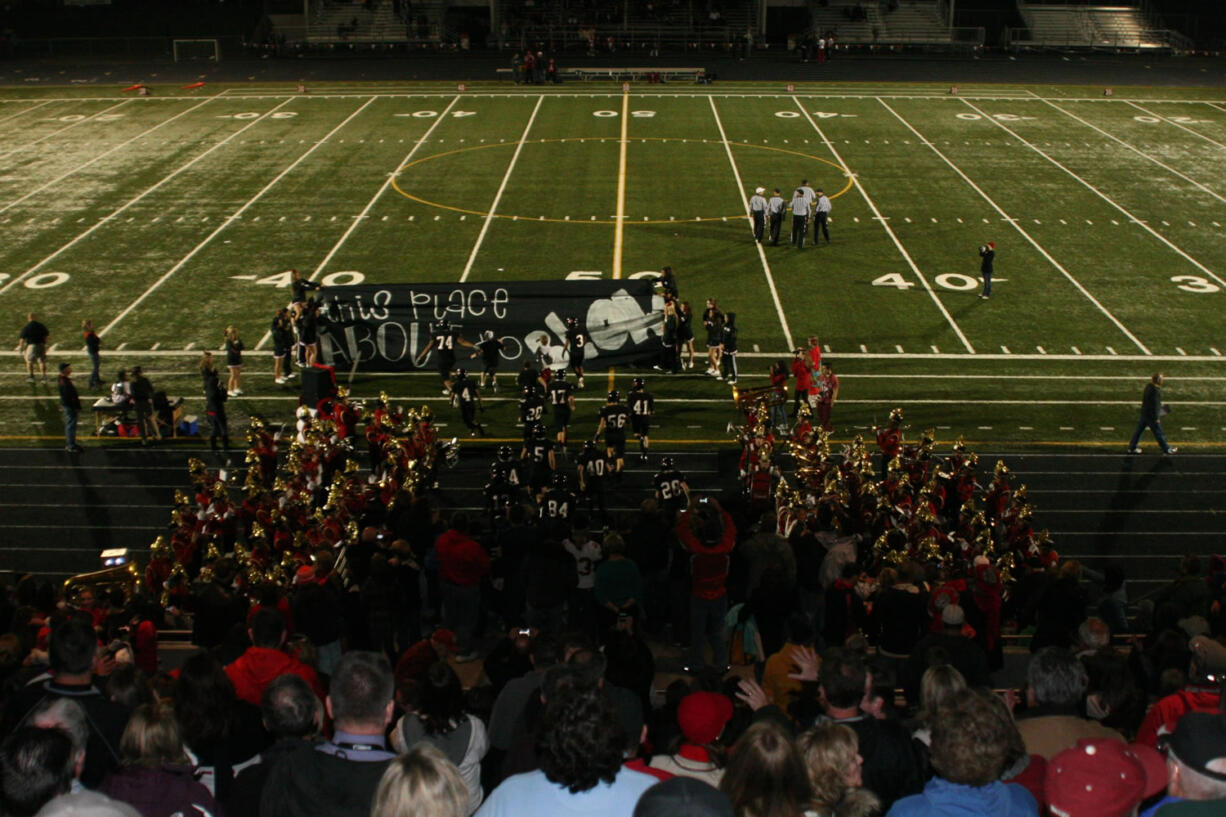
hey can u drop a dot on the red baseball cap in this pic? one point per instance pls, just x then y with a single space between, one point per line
1103 778
703 715
445 637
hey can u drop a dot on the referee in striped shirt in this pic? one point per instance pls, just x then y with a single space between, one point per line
800 218
757 209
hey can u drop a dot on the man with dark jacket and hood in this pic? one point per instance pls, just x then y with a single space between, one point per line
292 715
728 360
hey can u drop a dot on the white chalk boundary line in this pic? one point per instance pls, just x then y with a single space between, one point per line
1140 152
226 222
489 216
889 231
1180 125
1178 250
740 189
1016 224
361 217
867 93
24 111
44 137
107 219
103 155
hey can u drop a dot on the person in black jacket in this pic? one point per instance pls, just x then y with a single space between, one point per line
142 404
728 357
215 397
1151 417
292 715
70 404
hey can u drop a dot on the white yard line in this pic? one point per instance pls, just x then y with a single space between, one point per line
106 219
1017 226
357 221
226 222
619 226
24 111
89 118
1179 251
103 155
489 216
1140 152
1179 125
889 231
740 188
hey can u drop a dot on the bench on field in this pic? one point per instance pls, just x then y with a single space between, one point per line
656 74
104 410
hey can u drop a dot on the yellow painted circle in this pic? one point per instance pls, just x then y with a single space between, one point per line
628 222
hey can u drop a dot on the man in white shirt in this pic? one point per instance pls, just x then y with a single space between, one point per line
757 210
775 207
821 214
800 217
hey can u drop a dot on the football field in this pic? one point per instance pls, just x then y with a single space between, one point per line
165 218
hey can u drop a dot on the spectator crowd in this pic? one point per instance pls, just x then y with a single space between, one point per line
357 651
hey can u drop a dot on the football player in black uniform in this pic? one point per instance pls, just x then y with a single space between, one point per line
613 421
672 491
594 468
512 467
531 409
464 391
500 495
576 343
443 339
642 405
557 503
490 350
538 455
561 402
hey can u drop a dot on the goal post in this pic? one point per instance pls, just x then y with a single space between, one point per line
196 50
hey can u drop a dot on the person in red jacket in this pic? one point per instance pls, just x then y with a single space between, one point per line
265 661
706 530
1202 693
462 564
804 380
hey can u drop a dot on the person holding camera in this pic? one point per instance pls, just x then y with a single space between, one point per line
707 532
988 253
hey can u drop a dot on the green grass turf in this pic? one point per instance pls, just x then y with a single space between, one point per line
166 218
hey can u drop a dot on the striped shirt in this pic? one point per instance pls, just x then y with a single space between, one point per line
800 205
823 204
757 204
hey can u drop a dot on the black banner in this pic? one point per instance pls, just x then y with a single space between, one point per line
384 328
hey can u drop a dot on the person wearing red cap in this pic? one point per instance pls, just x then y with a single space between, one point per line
988 253
702 717
416 660
1103 778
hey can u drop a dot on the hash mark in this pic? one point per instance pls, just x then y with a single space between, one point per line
1005 349
1180 351
863 348
899 348
1076 351
1112 350
1042 351
1066 428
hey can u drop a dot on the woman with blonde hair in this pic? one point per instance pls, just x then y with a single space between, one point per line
940 684
832 757
766 775
234 361
422 782
157 778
